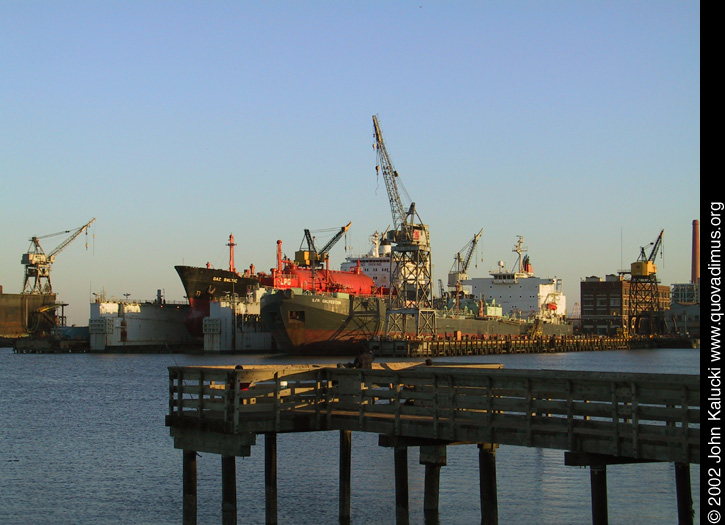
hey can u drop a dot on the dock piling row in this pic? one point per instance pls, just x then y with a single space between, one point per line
452 347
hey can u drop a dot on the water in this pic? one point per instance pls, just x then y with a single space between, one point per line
83 442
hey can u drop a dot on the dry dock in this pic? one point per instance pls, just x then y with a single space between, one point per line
597 418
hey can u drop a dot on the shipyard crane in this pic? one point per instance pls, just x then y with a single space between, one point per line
645 266
38 263
461 262
411 283
312 256
645 308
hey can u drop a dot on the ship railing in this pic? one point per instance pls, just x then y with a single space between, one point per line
642 416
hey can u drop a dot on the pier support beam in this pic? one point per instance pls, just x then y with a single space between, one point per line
597 464
598 477
345 474
685 512
270 478
189 490
229 490
433 457
487 473
401 484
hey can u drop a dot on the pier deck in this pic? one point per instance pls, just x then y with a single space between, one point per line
599 418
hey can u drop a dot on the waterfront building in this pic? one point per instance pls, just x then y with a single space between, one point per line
605 304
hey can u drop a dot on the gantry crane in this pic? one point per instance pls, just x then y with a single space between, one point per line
38 264
461 262
645 307
411 282
312 257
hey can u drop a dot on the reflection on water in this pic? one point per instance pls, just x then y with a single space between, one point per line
84 441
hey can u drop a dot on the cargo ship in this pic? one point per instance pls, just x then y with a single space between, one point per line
338 323
303 322
322 323
311 309
206 285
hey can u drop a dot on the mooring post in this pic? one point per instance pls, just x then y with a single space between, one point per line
229 490
598 476
189 489
685 512
433 457
270 477
401 484
487 474
345 472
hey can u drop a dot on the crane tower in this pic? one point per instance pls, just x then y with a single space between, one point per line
411 282
644 303
38 263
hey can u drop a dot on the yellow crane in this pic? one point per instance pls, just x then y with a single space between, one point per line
312 257
645 308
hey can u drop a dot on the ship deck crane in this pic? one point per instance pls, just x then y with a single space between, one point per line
411 283
38 264
462 262
314 257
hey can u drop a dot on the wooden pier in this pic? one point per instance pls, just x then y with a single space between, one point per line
597 418
460 346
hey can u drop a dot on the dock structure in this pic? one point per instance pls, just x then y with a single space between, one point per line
598 418
459 346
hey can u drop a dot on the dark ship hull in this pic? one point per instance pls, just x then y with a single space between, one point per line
307 323
203 285
332 323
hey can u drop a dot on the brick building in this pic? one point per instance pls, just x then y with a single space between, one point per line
605 304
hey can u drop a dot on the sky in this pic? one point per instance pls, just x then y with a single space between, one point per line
174 124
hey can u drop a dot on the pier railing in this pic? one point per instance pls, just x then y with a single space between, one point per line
646 417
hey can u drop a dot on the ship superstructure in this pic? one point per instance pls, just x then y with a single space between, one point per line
375 264
519 293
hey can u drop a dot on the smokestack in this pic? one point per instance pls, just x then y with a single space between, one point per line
695 277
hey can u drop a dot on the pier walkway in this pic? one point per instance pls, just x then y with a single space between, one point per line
598 418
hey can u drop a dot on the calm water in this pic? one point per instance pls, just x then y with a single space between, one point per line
83 442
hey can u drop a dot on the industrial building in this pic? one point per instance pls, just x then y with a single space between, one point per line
605 304
634 302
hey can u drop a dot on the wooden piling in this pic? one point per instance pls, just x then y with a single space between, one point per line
598 476
487 474
433 457
189 489
685 512
270 477
345 474
401 484
229 490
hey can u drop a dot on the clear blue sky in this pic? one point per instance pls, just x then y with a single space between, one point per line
574 124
